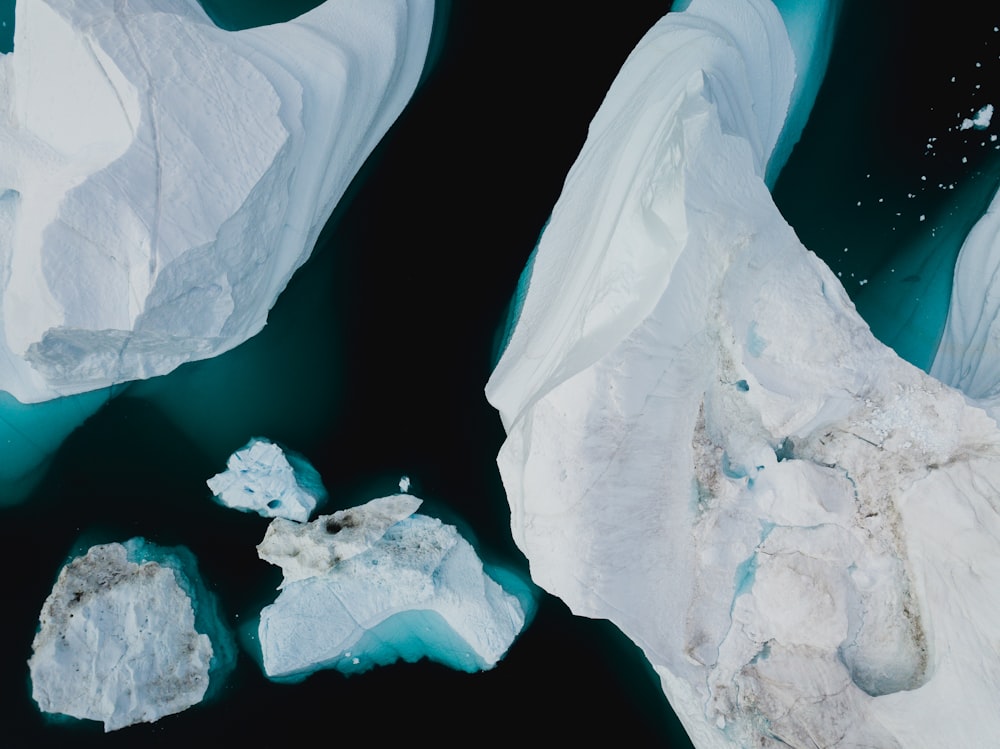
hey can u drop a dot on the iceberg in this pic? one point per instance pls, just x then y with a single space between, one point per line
119 640
968 356
261 477
707 446
163 178
377 583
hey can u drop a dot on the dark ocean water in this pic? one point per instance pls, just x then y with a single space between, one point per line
373 365
884 148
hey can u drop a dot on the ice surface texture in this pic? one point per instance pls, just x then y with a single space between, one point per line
707 446
117 640
261 477
162 179
375 584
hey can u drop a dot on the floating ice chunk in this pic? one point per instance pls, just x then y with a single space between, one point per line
311 550
710 449
407 589
163 178
980 121
119 640
261 477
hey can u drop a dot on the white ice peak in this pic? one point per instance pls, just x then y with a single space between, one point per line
161 178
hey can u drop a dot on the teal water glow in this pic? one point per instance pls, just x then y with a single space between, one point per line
208 617
6 26
812 27
31 433
408 636
234 15
884 186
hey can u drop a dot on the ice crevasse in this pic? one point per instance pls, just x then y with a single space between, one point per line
707 446
163 178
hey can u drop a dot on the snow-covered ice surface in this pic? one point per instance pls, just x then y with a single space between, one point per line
707 446
163 178
118 640
375 584
261 477
980 121
968 356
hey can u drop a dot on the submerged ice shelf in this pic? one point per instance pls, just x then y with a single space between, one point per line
377 583
707 446
119 639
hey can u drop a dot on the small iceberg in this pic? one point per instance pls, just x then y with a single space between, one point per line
124 637
261 477
375 584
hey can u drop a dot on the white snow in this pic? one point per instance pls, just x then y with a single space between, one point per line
162 178
707 446
260 477
374 584
117 642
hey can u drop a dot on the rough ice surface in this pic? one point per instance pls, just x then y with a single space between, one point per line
375 584
310 550
163 178
118 640
707 446
261 477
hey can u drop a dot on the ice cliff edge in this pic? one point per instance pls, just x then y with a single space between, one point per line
163 178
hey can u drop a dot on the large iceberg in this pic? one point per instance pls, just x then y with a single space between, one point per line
377 583
162 178
707 446
119 640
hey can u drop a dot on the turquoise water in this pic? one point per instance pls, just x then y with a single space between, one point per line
245 14
6 26
884 186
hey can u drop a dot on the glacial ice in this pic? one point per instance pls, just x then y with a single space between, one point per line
120 641
707 446
163 178
376 583
968 356
261 477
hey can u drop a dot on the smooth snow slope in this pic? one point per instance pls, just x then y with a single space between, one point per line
707 446
162 178
968 356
